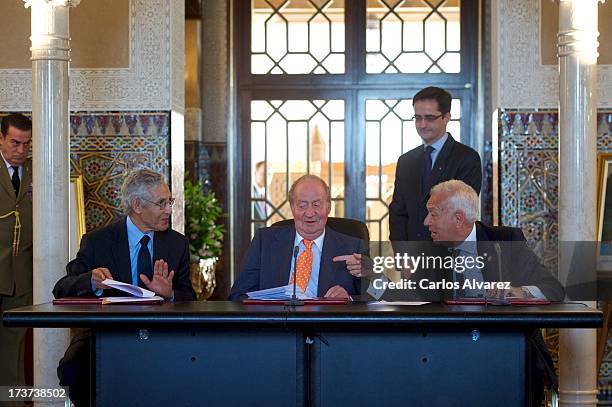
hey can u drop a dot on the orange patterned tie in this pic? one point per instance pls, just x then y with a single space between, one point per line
303 266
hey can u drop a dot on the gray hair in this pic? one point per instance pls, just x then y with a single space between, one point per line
461 197
310 177
137 185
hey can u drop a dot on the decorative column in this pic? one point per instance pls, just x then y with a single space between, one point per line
51 170
577 181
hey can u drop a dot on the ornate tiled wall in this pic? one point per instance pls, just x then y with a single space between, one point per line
528 170
104 145
528 164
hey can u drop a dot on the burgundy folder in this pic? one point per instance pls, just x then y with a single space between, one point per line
495 301
78 301
314 301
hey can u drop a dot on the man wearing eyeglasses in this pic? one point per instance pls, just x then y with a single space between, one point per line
139 249
439 159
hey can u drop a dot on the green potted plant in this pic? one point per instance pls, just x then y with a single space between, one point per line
205 234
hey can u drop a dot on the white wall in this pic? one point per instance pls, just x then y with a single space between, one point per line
519 80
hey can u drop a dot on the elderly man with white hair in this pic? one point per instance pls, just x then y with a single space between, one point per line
140 249
452 213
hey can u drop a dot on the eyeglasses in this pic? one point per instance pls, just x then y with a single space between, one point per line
430 118
163 204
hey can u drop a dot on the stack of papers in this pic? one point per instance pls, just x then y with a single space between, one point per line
139 294
278 293
132 300
128 288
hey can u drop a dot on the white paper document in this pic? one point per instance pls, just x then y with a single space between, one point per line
132 300
283 292
129 288
407 303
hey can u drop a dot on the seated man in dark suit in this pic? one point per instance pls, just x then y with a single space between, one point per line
324 254
453 208
452 212
139 249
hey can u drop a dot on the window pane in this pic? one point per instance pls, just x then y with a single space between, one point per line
292 138
390 132
297 37
413 36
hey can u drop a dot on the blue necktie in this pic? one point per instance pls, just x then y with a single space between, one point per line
426 169
143 264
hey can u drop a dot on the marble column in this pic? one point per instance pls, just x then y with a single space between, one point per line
577 181
51 170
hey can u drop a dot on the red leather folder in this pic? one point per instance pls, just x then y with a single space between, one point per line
314 301
101 301
495 301
78 301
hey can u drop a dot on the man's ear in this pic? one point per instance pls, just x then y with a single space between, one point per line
459 217
136 205
447 117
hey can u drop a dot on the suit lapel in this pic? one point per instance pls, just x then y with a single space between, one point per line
160 248
282 251
326 268
418 174
26 180
441 161
5 180
486 249
121 253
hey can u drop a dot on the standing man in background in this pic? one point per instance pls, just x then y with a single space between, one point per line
259 192
439 159
15 240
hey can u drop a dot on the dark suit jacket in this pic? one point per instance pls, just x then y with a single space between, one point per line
16 271
521 267
519 264
407 210
267 262
108 247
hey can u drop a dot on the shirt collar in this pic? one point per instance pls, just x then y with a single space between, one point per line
261 191
8 165
318 241
440 142
469 244
135 234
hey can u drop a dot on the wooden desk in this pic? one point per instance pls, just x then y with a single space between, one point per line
223 353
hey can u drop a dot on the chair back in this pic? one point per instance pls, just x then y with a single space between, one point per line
350 227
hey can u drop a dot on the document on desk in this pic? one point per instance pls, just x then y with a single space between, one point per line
406 303
107 300
129 288
132 300
283 292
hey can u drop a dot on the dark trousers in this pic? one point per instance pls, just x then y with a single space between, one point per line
74 370
12 343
